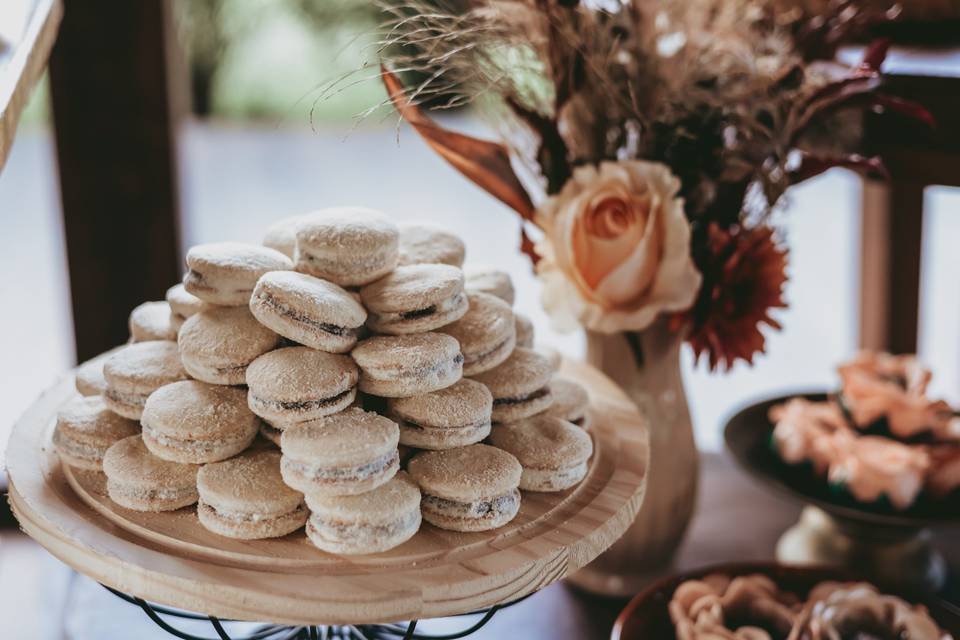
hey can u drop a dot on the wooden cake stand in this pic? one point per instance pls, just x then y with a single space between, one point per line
169 558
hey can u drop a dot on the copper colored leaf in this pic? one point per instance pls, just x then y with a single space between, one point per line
485 163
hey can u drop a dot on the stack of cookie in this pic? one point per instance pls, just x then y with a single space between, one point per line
355 346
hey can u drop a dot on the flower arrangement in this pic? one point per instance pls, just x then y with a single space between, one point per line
660 136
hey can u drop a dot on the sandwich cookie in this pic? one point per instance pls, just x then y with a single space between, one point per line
570 402
86 429
89 378
245 498
308 310
349 246
371 522
453 417
151 321
415 298
403 366
524 330
520 386
272 433
183 304
492 281
554 357
471 488
138 480
344 454
218 344
295 384
487 333
225 273
552 451
196 422
427 244
282 235
136 371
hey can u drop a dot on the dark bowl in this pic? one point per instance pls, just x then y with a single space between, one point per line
646 616
747 435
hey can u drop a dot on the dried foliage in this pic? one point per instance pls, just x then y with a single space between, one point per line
720 91
734 96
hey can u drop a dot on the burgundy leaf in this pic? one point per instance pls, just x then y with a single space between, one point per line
908 108
874 56
486 163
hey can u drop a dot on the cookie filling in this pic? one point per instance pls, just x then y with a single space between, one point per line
574 414
539 393
197 281
337 530
153 493
409 424
243 517
200 363
305 405
448 305
486 508
321 474
552 479
344 265
302 318
229 371
132 399
469 359
77 449
392 371
192 445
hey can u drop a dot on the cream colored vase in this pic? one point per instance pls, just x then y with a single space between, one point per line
646 365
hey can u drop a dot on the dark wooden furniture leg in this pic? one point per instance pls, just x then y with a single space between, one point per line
114 116
892 236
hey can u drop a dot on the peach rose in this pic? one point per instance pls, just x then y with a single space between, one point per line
616 248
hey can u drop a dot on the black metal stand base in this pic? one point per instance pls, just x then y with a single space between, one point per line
400 631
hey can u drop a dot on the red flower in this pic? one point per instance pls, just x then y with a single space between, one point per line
743 277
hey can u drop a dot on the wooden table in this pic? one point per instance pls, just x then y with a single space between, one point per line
23 61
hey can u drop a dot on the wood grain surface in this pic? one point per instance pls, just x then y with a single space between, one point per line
169 558
22 66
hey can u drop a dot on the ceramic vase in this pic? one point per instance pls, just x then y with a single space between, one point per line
646 364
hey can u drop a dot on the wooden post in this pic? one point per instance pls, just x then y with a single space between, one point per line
890 261
114 116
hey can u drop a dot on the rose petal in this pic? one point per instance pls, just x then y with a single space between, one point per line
618 274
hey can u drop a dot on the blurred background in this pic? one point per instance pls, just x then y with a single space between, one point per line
264 140
259 140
